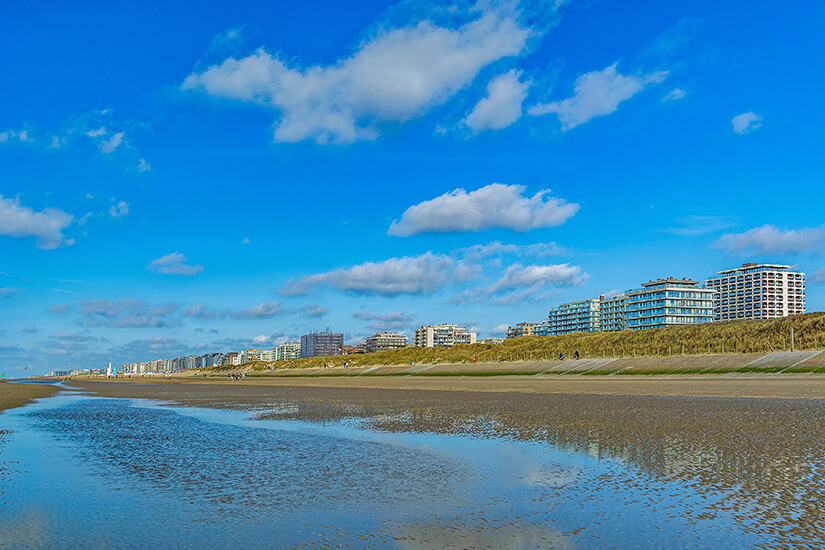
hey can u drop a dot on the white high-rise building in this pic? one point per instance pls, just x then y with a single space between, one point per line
757 291
443 335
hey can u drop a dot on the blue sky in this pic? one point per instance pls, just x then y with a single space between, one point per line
198 177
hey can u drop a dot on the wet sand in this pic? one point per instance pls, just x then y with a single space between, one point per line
16 395
756 440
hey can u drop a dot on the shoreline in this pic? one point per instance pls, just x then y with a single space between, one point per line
718 386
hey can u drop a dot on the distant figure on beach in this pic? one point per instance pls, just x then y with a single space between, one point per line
561 356
576 355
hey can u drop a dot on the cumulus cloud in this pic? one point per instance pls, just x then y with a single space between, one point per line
313 311
518 283
127 313
8 136
152 348
174 264
399 74
493 206
110 145
46 226
497 249
119 210
9 291
59 308
416 275
501 107
769 239
746 122
675 94
385 321
143 166
597 93
263 310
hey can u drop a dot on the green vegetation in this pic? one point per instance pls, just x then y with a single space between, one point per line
730 337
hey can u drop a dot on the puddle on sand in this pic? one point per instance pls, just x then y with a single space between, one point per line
117 473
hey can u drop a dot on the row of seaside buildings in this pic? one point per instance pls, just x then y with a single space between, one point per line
314 344
753 291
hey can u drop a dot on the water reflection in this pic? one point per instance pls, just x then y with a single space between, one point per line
413 470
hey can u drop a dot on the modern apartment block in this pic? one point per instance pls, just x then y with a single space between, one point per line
443 335
522 329
251 355
382 341
757 291
581 316
322 344
668 302
612 313
286 351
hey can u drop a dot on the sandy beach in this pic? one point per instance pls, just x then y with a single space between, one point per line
16 395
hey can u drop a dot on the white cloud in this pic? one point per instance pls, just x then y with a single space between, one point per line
768 239
261 311
495 205
128 313
416 275
111 144
517 276
675 94
500 330
174 264
597 93
144 166
119 209
245 241
496 249
693 226
519 283
46 226
502 105
97 133
20 135
746 122
818 276
9 291
398 75
386 321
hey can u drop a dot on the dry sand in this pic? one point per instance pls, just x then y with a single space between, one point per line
16 395
806 386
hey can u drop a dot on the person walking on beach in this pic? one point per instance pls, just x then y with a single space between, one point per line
576 355
561 356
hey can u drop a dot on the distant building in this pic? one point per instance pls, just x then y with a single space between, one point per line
757 291
443 335
233 359
495 341
287 351
361 348
382 341
582 316
322 344
346 349
668 302
522 329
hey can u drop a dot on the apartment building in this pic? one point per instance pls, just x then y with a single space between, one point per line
581 316
443 335
757 291
612 313
669 302
287 351
522 329
382 341
322 344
